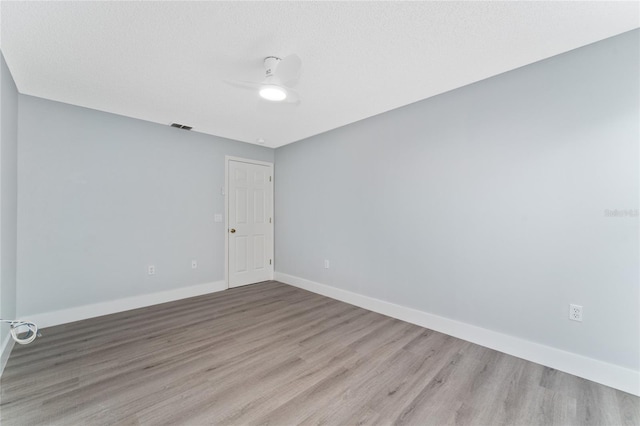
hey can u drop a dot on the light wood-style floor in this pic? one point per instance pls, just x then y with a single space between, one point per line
274 354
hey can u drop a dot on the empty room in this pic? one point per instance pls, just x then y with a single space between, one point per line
339 213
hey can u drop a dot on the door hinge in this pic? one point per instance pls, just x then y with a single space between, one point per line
269 220
269 178
269 261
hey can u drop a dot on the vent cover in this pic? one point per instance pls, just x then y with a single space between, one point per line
181 126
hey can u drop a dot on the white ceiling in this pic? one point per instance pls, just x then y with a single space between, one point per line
166 61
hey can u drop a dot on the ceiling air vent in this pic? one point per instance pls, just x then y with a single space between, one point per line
181 126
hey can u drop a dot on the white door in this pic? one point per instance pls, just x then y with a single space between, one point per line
250 221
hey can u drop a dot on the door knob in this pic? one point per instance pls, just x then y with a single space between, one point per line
233 231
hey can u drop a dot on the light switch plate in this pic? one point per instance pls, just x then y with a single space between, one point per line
217 217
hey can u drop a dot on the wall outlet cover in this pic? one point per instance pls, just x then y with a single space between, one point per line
575 312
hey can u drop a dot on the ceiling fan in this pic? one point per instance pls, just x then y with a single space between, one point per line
281 75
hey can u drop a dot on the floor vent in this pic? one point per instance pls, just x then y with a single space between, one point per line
181 126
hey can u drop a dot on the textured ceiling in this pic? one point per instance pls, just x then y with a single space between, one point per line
166 61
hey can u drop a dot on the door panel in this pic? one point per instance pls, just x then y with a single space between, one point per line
241 254
250 203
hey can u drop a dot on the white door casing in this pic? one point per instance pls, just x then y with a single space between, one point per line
249 216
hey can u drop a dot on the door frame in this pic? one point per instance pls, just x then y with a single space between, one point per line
227 159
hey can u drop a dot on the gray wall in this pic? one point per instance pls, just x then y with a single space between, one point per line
485 204
8 195
102 196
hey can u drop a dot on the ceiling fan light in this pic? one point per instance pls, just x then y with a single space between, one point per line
273 93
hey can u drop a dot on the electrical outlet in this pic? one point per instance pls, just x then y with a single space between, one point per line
151 270
326 264
194 264
575 312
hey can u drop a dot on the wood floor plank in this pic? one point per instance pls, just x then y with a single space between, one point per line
274 354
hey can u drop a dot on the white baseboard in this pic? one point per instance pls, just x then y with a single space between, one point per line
612 375
48 319
7 346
